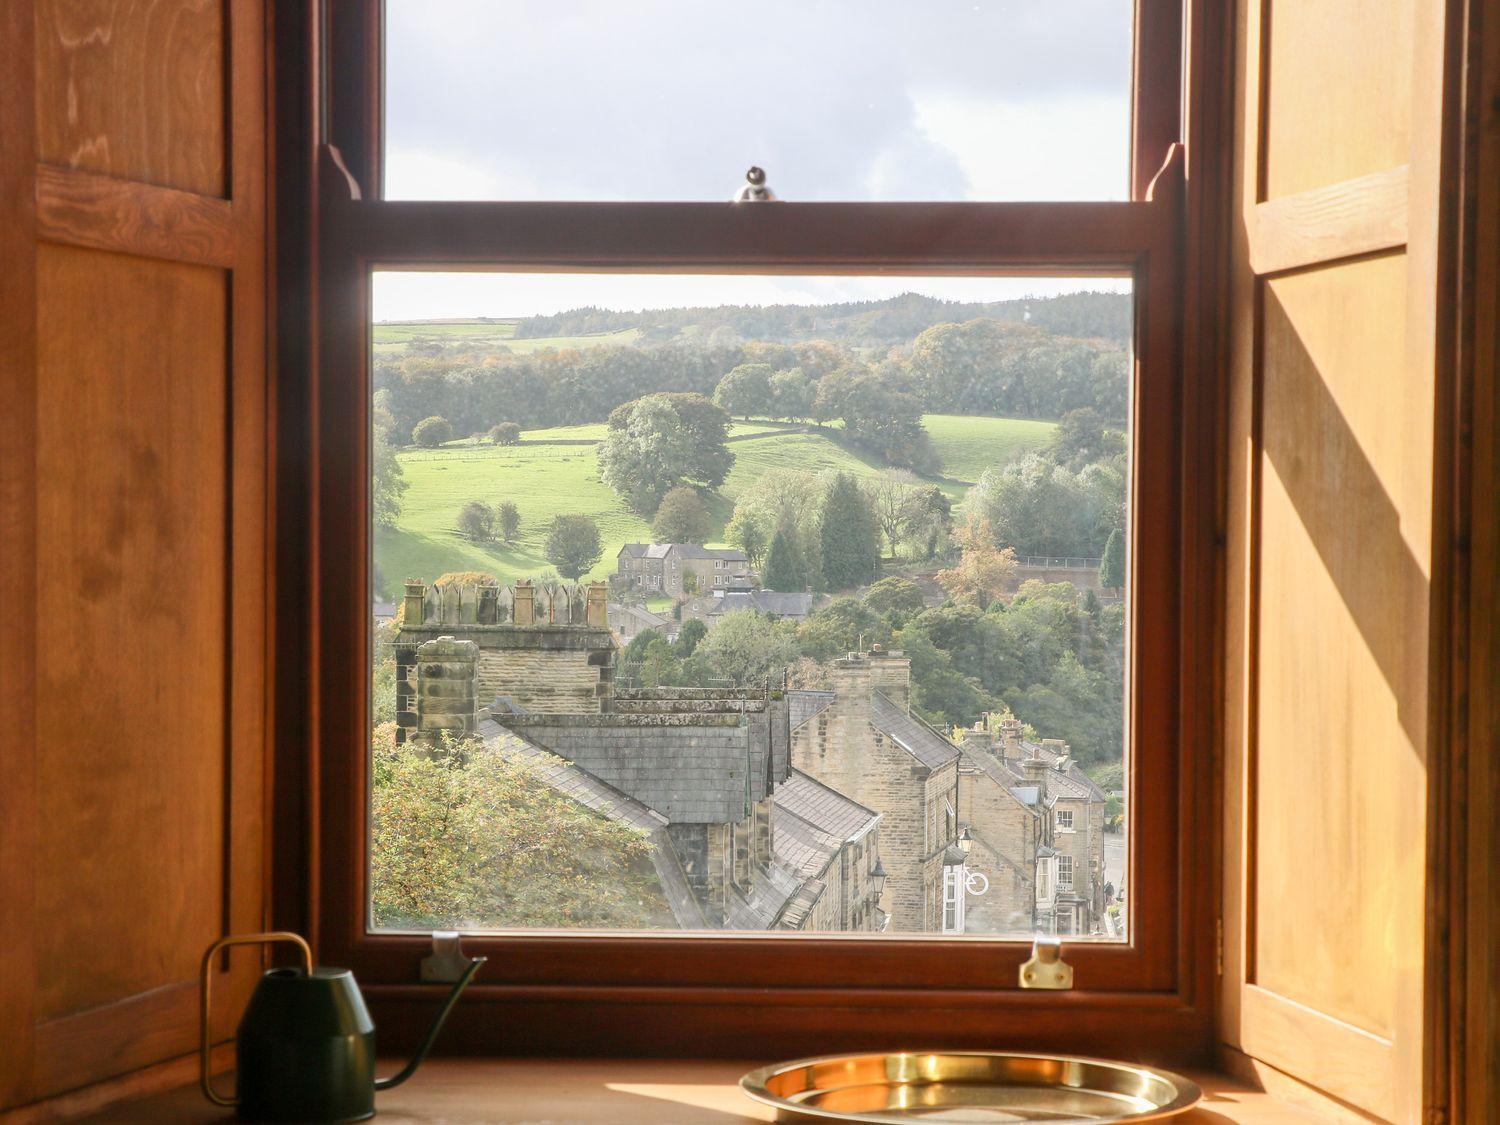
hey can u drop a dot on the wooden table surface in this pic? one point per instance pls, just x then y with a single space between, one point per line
618 1092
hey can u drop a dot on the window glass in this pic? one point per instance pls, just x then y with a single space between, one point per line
777 604
673 100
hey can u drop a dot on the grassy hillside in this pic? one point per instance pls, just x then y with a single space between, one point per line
488 335
969 445
545 479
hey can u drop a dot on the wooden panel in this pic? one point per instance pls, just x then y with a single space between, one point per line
1338 91
131 456
1343 220
133 89
81 209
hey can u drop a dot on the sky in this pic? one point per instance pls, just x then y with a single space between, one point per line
673 99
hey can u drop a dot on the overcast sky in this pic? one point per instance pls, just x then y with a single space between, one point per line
674 99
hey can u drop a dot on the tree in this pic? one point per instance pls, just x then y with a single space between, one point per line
746 390
389 482
785 568
891 496
431 432
746 647
469 834
877 413
1081 438
477 521
508 517
928 519
983 569
683 517
896 599
660 441
843 625
792 394
848 537
690 636
1112 564
746 531
505 433
573 544
1038 507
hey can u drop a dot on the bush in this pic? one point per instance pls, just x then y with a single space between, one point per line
506 433
432 432
477 521
509 519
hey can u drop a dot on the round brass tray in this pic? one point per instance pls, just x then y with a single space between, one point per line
968 1087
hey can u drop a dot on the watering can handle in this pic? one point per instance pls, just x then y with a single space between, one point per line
205 1077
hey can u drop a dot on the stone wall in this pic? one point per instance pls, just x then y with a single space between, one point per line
1007 833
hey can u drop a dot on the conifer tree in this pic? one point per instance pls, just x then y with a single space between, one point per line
785 569
850 541
1112 565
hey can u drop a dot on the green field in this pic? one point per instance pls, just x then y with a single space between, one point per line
969 445
391 337
544 480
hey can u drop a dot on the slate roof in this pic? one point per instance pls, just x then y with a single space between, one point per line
911 734
684 550
696 771
763 601
808 704
1002 777
809 800
770 892
608 801
644 617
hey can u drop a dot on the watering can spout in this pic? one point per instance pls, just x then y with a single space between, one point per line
432 1032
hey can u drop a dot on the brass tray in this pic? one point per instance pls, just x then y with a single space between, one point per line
968 1088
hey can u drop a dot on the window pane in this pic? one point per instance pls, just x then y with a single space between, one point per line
672 100
749 603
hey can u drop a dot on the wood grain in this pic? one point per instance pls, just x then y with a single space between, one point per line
83 209
134 89
1337 91
132 461
1343 220
1335 467
19 806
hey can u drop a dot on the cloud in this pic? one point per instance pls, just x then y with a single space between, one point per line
656 99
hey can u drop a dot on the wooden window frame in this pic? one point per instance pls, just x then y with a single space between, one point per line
739 994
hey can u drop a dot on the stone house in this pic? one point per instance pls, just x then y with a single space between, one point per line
664 568
861 740
696 769
1037 821
788 607
627 622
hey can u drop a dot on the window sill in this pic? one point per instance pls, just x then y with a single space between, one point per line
626 1092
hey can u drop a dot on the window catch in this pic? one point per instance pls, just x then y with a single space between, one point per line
448 962
754 190
1046 969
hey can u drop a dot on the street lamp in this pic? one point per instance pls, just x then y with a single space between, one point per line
878 877
965 840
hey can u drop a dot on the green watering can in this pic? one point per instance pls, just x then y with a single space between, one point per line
305 1049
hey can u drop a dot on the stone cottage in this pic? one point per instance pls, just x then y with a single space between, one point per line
677 568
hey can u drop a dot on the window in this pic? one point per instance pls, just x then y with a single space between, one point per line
1065 873
1065 820
390 272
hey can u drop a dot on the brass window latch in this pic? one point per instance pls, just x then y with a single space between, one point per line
1046 969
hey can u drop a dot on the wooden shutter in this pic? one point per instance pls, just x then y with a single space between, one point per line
133 525
1332 474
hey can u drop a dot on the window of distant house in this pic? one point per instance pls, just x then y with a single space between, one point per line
1065 820
1065 872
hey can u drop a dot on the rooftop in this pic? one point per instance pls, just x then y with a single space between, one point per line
911 734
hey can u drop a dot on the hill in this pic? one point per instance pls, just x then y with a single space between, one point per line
550 473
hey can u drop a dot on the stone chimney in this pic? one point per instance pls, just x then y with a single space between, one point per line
598 607
447 687
411 607
524 610
890 674
1010 738
1036 771
979 739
